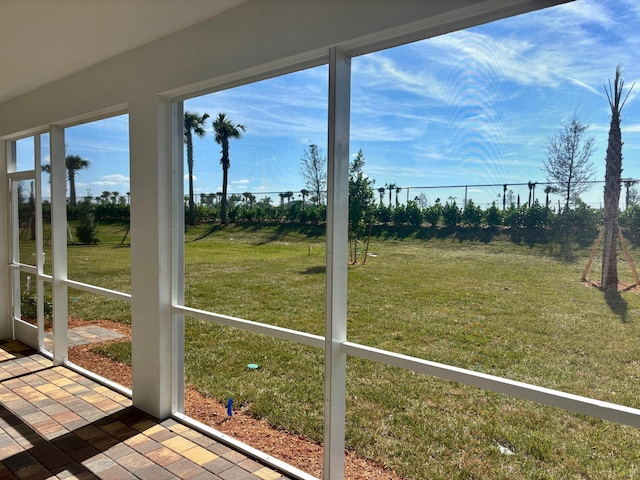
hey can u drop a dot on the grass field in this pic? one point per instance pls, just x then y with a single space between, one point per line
507 309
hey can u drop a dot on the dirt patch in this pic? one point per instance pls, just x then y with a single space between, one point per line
296 450
622 286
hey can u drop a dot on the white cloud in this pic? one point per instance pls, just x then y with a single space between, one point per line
116 178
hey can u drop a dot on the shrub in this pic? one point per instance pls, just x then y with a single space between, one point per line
433 214
630 221
493 216
414 214
451 215
472 214
514 217
400 216
537 216
383 214
29 306
87 229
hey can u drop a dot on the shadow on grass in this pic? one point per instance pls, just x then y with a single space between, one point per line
617 304
461 234
314 270
274 231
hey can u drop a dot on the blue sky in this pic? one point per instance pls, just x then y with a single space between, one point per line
470 107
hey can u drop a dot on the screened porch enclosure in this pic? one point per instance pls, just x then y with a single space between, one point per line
140 97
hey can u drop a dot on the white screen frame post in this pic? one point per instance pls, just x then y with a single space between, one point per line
59 245
337 238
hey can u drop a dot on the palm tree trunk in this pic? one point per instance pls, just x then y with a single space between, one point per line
225 178
612 187
72 187
192 220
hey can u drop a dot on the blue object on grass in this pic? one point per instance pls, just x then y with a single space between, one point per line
230 407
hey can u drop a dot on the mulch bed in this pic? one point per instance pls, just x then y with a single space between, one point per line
296 450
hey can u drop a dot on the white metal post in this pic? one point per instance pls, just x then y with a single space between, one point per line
336 295
177 255
59 245
151 229
5 318
6 303
15 253
39 240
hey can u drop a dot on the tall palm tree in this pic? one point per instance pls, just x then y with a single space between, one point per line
612 184
73 164
381 191
305 193
193 124
225 129
390 187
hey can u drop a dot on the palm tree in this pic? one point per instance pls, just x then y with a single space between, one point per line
225 129
304 192
193 123
289 196
398 190
612 184
381 191
390 187
73 164
547 190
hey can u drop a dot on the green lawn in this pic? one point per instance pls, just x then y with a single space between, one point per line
506 309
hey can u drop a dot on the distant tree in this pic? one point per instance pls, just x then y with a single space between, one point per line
472 214
391 187
493 216
381 191
304 193
398 190
547 190
567 164
451 214
73 164
532 192
288 196
225 130
613 183
313 168
421 200
361 198
193 124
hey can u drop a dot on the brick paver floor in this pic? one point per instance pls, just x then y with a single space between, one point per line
55 423
83 336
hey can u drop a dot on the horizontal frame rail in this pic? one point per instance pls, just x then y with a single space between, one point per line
125 297
546 396
255 327
525 391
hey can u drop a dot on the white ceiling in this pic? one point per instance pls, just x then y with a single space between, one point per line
44 40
